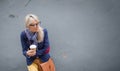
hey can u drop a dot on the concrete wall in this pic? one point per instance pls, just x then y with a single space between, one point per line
84 34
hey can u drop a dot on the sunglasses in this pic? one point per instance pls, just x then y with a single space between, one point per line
35 24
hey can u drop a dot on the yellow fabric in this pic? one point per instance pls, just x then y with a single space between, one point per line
33 67
37 65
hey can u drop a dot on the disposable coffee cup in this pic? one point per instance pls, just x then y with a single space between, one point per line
33 47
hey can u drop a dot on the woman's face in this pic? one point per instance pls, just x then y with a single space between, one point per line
34 26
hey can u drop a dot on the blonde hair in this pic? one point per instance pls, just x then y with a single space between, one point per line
28 21
29 17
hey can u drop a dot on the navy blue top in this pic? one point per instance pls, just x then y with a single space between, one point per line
42 51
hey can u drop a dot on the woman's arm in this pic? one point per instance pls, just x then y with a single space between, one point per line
24 43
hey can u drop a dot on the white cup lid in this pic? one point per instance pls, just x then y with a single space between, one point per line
33 46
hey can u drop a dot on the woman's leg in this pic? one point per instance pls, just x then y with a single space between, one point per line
33 67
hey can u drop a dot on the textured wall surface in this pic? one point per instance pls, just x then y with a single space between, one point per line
84 34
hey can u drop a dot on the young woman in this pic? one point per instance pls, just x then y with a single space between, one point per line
34 34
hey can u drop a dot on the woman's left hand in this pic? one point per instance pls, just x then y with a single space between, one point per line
34 53
31 53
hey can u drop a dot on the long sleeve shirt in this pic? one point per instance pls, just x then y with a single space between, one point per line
42 51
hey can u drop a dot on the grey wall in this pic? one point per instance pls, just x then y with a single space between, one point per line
84 34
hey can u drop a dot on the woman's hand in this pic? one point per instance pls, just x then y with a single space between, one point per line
31 53
38 28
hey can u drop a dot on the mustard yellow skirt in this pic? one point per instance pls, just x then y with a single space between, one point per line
37 65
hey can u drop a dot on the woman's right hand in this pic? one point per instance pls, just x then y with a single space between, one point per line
31 53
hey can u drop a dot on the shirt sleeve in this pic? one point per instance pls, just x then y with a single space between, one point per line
46 46
24 44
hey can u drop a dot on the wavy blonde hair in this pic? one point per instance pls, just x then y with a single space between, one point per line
28 21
